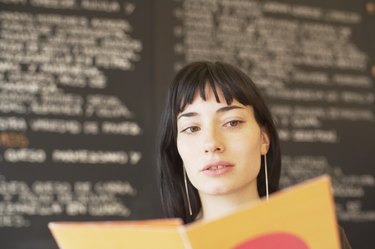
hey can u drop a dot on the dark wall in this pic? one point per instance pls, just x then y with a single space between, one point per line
82 84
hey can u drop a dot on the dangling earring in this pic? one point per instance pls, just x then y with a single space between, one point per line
266 174
187 192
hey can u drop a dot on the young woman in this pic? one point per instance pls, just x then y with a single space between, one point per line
215 142
218 145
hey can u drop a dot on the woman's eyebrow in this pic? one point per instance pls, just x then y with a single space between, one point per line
187 114
228 108
220 110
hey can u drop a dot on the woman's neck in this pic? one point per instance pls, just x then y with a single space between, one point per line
215 206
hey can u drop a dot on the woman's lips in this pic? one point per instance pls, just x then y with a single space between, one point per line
217 168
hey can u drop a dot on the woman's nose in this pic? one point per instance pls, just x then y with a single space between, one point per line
213 141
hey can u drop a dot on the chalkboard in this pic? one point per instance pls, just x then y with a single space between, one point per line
82 84
76 116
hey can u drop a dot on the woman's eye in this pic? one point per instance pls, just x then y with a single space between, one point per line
233 123
191 129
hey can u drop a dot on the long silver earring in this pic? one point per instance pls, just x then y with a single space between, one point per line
266 174
187 192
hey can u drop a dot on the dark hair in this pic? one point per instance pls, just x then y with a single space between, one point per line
234 84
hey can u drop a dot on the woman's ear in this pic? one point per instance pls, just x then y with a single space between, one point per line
265 141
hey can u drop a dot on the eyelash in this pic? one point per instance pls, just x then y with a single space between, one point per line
186 130
230 124
237 123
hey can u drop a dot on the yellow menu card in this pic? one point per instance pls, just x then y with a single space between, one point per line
299 217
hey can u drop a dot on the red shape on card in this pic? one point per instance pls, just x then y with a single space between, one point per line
279 240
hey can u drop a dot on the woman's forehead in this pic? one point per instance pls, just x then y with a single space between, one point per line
210 93
209 96
223 92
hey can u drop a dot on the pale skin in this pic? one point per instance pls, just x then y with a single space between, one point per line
221 147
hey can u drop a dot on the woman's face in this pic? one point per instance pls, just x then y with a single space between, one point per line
220 145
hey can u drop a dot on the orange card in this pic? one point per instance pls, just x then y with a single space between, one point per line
300 217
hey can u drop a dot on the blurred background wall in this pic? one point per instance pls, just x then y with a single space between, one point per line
82 84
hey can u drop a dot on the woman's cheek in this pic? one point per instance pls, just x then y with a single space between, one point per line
183 147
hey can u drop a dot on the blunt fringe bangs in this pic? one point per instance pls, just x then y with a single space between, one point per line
234 84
